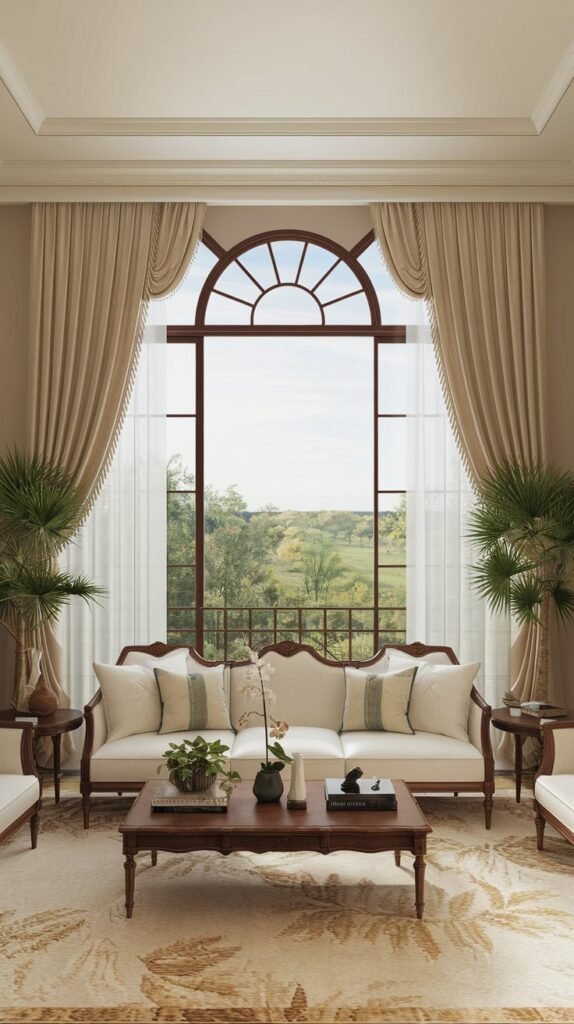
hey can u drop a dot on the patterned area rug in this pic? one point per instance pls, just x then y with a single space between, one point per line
291 938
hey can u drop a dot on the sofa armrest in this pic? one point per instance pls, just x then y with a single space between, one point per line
558 756
16 748
479 730
96 727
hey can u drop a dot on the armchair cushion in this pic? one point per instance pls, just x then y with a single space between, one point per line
556 794
18 793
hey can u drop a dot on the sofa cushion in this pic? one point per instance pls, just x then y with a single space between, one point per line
137 758
130 693
424 757
440 701
378 700
308 692
192 701
141 658
556 794
320 749
17 794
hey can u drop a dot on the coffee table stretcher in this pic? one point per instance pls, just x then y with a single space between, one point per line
270 828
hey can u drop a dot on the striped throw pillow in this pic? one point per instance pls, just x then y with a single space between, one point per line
378 701
192 702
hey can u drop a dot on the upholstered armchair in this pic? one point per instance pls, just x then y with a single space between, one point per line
19 784
554 783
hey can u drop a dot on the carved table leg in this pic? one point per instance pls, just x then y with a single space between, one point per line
398 858
518 764
34 822
56 741
420 851
153 858
130 870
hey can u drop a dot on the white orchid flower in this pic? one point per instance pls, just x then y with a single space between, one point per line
270 695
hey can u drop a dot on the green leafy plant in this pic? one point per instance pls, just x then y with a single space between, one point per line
184 760
41 509
258 675
523 528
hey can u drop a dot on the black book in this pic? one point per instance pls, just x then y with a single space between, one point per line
367 799
191 809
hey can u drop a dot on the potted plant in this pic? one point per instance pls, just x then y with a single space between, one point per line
40 511
523 528
268 785
195 764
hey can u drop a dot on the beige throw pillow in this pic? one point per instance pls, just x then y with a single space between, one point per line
192 701
130 695
440 700
378 701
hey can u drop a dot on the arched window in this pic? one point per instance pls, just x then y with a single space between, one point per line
297 315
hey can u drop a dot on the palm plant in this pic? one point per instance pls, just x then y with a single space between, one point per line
523 528
41 509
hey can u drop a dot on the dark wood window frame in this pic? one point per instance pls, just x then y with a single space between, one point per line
196 334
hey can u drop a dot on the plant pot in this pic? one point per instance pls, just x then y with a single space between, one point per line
268 787
43 700
199 781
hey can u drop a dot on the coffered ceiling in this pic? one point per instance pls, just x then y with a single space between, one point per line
311 101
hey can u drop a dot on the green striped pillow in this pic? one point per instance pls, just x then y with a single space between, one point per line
378 702
192 702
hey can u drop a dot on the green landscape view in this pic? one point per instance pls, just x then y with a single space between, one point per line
276 562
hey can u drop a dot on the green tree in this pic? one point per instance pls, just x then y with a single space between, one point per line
321 565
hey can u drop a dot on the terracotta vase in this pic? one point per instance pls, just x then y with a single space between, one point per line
43 700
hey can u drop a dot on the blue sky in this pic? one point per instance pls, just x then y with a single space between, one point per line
289 421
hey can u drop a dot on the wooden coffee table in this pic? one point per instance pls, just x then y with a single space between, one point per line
267 828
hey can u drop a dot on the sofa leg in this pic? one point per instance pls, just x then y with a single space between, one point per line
540 823
34 823
487 809
86 809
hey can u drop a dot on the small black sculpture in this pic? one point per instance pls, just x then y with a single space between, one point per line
350 784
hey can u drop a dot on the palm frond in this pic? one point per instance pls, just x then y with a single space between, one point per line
526 596
493 576
563 596
40 505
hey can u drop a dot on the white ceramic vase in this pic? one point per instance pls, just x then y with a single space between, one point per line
297 795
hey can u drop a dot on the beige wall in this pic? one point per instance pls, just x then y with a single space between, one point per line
559 230
347 225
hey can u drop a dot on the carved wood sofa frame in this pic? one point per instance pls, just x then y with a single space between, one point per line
28 768
288 648
542 814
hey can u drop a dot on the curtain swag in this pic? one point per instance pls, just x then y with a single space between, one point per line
480 268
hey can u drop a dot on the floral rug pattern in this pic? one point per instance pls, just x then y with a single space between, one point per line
289 937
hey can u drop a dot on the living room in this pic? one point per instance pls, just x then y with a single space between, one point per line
286 467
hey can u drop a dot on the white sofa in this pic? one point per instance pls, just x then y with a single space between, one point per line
19 783
554 783
310 697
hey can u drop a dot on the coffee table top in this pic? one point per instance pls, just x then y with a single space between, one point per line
245 814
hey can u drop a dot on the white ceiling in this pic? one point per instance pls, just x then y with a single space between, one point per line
315 100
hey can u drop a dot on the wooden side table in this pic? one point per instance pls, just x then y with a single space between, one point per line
54 725
521 727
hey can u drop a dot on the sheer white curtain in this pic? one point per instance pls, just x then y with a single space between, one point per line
123 542
441 606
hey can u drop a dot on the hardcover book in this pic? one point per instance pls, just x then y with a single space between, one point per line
383 798
169 798
541 710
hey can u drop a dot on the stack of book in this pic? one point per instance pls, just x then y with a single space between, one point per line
541 710
171 800
382 798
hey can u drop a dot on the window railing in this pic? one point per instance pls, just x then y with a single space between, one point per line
342 633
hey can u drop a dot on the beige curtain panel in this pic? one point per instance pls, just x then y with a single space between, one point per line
94 268
480 267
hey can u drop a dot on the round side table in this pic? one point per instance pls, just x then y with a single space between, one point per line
54 725
521 727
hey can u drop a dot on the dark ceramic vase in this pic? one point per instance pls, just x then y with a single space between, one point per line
268 787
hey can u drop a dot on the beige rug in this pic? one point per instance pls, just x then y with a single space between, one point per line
290 938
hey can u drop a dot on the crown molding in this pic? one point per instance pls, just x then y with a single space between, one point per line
278 181
561 81
19 91
280 127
